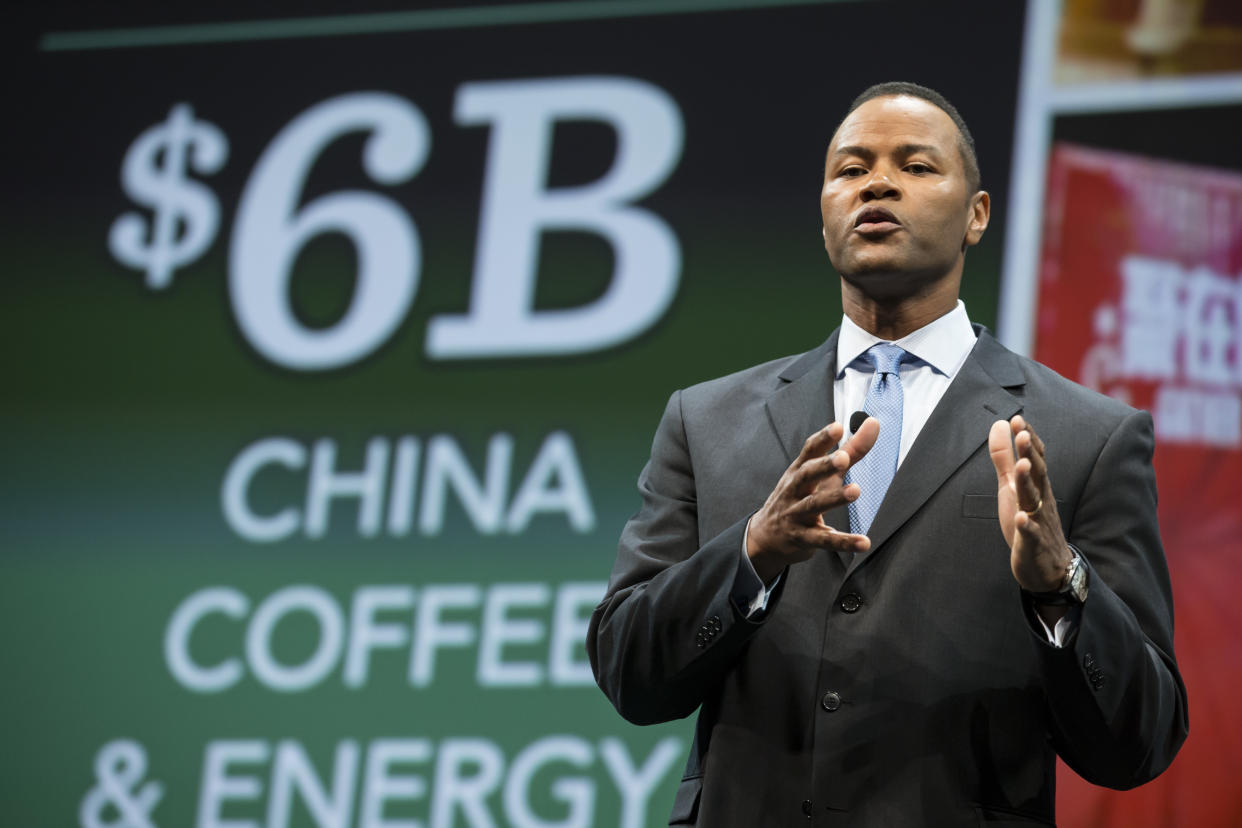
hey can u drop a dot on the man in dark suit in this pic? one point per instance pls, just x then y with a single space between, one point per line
896 619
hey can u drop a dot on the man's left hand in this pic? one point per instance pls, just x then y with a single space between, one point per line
1038 553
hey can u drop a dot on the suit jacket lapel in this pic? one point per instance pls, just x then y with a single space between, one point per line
956 429
803 404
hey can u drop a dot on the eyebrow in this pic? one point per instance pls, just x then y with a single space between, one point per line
869 154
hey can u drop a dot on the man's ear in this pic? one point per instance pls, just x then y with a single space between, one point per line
980 212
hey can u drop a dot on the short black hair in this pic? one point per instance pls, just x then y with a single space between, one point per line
965 141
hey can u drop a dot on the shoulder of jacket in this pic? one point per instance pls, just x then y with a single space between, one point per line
1043 379
757 380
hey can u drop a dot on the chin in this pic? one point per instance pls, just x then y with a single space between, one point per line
881 281
872 270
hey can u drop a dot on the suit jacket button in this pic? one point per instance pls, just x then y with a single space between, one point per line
807 808
831 701
851 602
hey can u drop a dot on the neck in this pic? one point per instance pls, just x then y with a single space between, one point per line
891 319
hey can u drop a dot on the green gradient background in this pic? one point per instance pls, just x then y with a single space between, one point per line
128 405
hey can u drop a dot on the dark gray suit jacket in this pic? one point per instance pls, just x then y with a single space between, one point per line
907 685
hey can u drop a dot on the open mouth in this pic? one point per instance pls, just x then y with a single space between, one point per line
876 220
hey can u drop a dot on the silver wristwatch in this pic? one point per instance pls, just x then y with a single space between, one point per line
1073 591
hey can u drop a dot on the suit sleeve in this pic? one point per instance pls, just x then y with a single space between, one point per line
1117 703
667 630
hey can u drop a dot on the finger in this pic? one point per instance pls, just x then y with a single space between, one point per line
1028 492
1001 450
821 500
820 443
1033 452
813 471
1035 438
825 537
862 441
1029 527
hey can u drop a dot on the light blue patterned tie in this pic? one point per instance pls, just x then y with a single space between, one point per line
875 471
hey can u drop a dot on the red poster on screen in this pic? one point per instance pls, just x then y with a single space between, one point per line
1140 297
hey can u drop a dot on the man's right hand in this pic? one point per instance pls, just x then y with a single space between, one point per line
790 525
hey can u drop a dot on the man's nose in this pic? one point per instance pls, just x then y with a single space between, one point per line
879 185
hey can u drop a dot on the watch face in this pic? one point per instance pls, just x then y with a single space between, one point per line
1078 581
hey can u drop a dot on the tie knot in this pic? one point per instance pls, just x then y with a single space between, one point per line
886 357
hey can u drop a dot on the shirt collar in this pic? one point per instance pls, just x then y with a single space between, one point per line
943 343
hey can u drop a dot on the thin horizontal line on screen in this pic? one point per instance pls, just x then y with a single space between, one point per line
387 22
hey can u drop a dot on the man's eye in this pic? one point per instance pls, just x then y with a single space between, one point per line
851 172
918 168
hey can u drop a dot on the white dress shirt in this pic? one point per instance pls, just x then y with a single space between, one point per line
939 349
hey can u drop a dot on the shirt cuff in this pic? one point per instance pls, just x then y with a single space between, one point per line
1065 627
750 594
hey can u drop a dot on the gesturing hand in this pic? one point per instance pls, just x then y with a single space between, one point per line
790 525
1038 553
